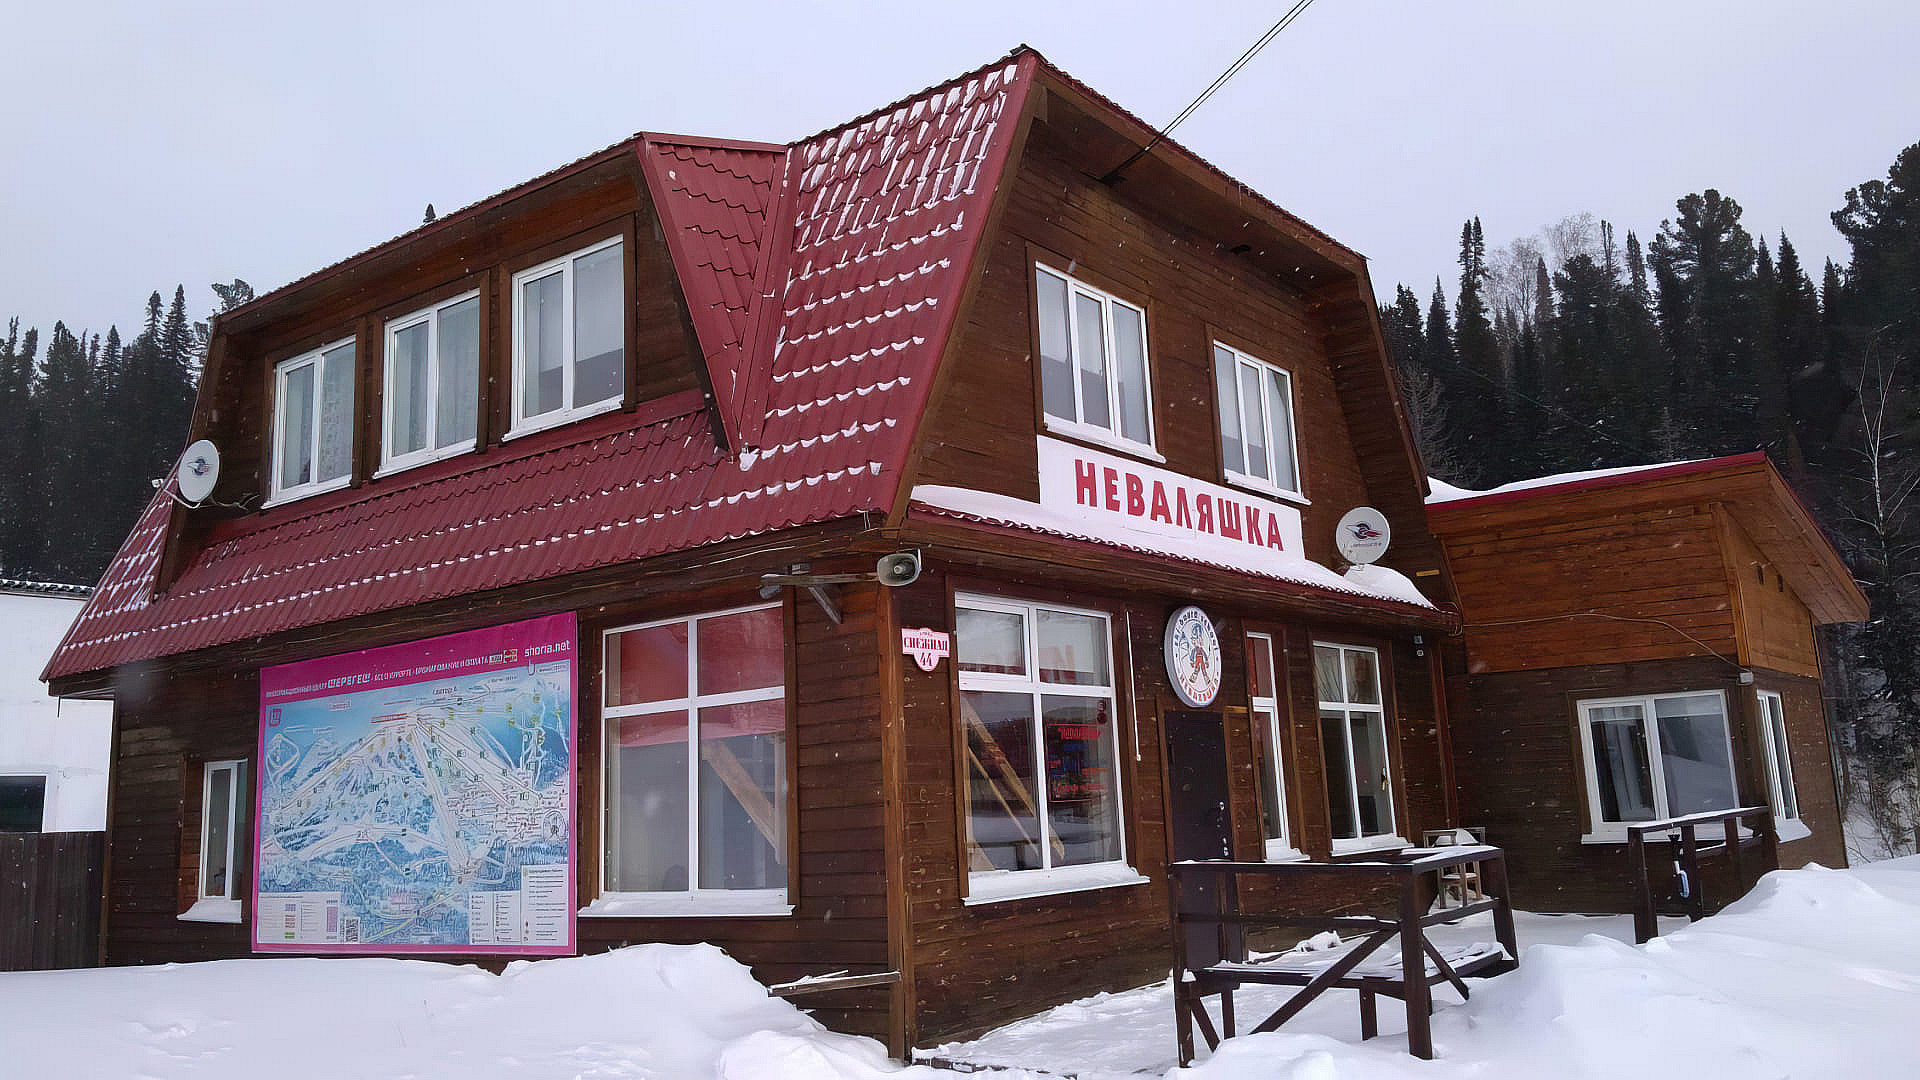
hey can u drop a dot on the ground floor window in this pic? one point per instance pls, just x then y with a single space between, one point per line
23 801
1773 731
695 782
1657 756
1037 712
1353 741
1269 737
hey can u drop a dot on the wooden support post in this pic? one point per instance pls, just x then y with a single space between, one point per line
1690 865
1494 874
1646 921
1413 973
1369 1015
1733 855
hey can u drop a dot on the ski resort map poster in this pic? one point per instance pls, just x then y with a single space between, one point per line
418 798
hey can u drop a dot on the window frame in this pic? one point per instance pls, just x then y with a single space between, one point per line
518 424
990 886
226 906
694 900
1266 369
1776 748
1612 832
282 370
1272 738
430 317
1361 841
1074 427
46 797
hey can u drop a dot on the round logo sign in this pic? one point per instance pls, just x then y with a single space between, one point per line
1192 650
1362 536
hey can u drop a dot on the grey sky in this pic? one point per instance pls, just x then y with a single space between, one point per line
149 144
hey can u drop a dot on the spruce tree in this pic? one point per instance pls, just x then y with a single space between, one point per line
1703 264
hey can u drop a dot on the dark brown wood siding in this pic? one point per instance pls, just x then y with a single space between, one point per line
1521 772
1648 585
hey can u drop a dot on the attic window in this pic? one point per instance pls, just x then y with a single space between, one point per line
569 337
1093 364
432 383
313 422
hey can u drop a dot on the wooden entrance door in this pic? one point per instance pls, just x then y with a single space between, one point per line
1199 824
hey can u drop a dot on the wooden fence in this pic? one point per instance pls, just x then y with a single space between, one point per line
50 899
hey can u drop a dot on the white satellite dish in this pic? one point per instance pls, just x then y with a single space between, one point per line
1362 535
199 470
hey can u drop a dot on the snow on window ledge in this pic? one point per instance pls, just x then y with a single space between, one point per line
1702 837
719 903
1281 851
283 496
528 425
998 885
1787 830
1265 487
1100 436
213 911
1369 843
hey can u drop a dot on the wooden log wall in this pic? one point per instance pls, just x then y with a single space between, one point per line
1521 772
1647 585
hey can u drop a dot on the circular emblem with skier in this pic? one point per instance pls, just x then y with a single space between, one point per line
1192 648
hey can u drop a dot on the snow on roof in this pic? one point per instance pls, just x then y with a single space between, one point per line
1443 492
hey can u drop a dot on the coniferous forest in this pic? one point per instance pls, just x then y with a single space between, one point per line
1583 346
1586 346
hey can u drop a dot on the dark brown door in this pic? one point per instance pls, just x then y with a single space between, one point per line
1199 825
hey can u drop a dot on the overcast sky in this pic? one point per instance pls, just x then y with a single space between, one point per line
148 144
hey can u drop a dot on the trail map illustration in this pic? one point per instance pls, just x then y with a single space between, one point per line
419 798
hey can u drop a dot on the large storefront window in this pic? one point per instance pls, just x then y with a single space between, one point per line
1656 757
695 789
1037 710
1353 740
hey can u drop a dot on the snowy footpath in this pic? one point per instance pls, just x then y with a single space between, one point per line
1815 974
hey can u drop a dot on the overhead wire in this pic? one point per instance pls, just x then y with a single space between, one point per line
1233 69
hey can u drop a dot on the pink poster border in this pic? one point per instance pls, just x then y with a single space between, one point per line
401 665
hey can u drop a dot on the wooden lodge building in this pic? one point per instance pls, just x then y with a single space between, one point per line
517 509
1639 645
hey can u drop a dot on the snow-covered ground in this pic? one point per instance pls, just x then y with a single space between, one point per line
1814 974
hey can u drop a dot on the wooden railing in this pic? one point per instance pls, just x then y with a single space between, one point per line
1211 957
1682 836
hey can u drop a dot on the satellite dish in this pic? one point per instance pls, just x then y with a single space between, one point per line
199 470
1362 535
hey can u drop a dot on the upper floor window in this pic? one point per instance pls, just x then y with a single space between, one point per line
569 337
1654 757
1353 740
1037 709
1093 363
433 383
1256 421
696 739
1773 718
313 422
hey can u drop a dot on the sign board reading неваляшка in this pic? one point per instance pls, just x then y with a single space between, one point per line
418 798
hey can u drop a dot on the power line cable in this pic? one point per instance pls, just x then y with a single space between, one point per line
1273 31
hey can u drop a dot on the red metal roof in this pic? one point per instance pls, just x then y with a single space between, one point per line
822 281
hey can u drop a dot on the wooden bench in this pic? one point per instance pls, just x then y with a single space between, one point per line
1211 956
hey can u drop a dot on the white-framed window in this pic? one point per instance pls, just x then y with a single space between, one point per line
1780 791
1094 382
223 823
1656 756
432 395
23 803
694 752
1038 716
1353 744
1264 702
313 422
569 337
1257 444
